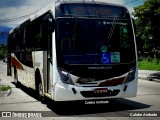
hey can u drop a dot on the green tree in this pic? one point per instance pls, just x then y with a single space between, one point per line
3 51
148 24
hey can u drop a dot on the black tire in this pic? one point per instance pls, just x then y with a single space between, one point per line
39 89
17 84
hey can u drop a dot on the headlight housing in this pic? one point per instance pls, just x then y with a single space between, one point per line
131 75
65 77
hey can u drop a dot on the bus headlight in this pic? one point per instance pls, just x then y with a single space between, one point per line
131 75
65 77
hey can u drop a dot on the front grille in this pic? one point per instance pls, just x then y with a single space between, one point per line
109 82
92 94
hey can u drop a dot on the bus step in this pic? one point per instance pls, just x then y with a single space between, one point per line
48 95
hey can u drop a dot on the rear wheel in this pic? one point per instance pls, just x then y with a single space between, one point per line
17 84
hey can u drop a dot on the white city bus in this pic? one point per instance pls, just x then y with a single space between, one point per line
77 51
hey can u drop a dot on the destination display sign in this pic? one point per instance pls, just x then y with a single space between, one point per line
92 10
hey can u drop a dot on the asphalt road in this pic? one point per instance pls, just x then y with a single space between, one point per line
23 99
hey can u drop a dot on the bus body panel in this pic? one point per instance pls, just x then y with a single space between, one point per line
25 74
131 89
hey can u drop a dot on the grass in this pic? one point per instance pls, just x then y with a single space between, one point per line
149 64
4 88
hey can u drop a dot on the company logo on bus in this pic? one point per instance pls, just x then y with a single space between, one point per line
100 68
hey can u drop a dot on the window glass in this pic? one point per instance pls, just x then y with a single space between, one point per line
83 41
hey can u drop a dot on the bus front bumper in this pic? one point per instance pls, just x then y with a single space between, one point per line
67 92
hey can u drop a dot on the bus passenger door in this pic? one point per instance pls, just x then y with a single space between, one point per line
49 67
50 55
49 64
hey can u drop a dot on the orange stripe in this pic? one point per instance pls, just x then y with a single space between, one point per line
16 63
113 82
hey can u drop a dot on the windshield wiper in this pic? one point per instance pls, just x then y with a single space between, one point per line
112 28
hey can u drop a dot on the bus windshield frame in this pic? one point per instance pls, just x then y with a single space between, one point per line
94 41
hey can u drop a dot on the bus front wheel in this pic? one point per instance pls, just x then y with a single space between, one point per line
39 90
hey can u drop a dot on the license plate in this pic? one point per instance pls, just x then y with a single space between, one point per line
100 90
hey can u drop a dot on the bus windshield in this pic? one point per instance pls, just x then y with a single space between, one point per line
95 41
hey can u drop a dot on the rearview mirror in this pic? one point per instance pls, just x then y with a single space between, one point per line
51 23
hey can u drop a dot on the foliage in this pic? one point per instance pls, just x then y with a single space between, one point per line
149 64
4 88
3 51
147 21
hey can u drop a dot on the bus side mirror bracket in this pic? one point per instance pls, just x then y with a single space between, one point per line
51 25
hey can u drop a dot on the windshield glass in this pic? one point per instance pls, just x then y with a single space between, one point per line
90 41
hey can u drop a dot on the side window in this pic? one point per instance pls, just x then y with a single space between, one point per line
11 42
16 40
38 36
28 36
22 43
33 36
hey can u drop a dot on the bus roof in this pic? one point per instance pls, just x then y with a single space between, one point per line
89 2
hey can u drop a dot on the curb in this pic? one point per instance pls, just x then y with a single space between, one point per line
149 79
150 75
